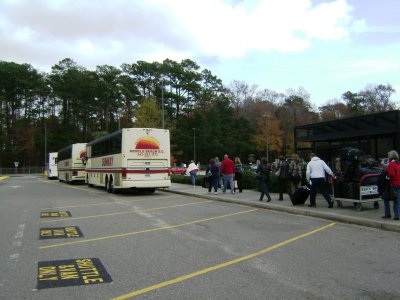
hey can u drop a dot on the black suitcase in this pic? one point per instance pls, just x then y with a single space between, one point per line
300 195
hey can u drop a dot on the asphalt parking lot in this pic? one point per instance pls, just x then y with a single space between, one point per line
72 241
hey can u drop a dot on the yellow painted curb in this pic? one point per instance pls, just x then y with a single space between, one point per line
3 177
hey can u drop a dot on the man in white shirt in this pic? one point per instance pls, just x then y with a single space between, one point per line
316 171
192 172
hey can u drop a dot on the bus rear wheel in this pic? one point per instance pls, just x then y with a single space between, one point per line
110 186
87 181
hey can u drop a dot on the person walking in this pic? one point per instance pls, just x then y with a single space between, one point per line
316 172
238 174
393 172
295 175
282 172
213 174
218 163
192 172
262 172
228 170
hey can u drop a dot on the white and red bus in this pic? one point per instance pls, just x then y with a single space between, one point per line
70 163
52 172
131 158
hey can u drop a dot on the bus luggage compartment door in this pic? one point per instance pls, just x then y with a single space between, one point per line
147 170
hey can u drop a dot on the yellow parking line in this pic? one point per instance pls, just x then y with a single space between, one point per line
81 205
147 230
124 212
220 266
3 177
148 198
107 203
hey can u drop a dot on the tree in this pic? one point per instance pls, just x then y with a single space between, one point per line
377 98
268 124
183 81
148 114
211 88
75 104
294 111
20 92
239 92
130 97
108 96
333 110
355 103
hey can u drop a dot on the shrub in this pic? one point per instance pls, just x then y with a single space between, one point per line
250 182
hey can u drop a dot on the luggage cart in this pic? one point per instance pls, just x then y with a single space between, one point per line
367 192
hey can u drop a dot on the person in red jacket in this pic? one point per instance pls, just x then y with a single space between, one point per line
393 172
228 171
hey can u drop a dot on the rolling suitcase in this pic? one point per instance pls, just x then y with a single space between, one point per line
300 195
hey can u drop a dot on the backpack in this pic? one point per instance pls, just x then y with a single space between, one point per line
238 168
209 173
385 189
263 172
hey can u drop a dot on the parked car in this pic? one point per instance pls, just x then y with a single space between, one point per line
253 167
178 170
249 167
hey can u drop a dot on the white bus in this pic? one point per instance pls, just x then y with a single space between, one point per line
70 163
131 158
52 172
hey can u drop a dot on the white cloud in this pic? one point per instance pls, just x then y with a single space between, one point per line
120 31
365 67
281 25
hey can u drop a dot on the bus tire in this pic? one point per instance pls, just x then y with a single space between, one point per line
87 181
106 184
110 186
151 191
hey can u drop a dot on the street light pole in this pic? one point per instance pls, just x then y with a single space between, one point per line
194 145
45 145
162 102
266 137
119 118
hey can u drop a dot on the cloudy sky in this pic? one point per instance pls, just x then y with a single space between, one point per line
328 47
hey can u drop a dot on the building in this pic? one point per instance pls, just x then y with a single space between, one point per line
375 134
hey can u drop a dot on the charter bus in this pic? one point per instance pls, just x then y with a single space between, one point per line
52 172
131 158
70 163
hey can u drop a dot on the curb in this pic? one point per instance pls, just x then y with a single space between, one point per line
296 211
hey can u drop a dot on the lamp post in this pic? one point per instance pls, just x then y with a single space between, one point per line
266 137
45 146
194 145
162 103
119 112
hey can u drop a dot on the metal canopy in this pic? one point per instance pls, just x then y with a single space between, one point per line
367 127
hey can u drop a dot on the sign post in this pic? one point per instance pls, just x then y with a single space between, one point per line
16 163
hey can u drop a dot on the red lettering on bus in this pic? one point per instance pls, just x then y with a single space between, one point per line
107 161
